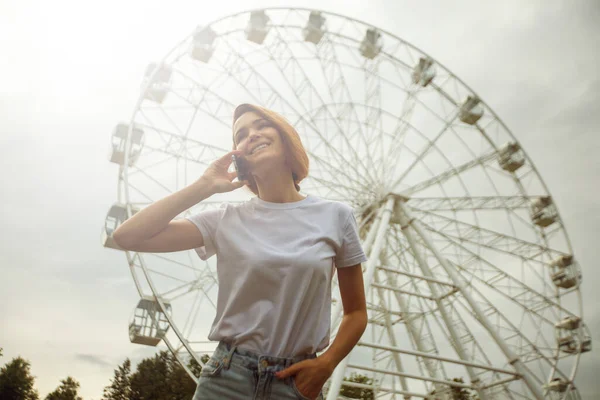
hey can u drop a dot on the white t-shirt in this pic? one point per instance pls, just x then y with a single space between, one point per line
275 262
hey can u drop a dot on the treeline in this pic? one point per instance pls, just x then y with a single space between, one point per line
158 378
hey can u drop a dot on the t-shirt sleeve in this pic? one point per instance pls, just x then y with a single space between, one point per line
350 252
207 222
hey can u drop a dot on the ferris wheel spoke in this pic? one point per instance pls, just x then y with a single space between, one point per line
394 86
214 105
397 141
373 120
164 275
340 171
151 178
139 191
459 336
194 315
145 112
167 294
417 325
493 240
168 137
334 186
433 204
339 92
187 326
509 332
428 147
444 176
293 69
504 284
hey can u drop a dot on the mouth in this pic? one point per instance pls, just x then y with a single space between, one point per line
259 148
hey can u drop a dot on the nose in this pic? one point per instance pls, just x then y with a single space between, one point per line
253 135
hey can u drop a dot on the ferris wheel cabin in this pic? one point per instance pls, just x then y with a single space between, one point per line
258 27
471 110
564 272
424 72
315 27
573 336
511 157
202 46
158 79
544 212
148 324
119 140
372 43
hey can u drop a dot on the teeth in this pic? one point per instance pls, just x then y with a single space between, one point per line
258 148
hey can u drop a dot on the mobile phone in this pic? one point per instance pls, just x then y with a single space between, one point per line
240 167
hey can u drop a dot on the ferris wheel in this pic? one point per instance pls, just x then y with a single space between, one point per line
470 275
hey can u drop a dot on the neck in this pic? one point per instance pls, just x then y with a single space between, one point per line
277 187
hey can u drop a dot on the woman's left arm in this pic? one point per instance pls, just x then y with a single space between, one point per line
354 322
312 374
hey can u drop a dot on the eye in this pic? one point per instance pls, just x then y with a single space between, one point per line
263 125
240 137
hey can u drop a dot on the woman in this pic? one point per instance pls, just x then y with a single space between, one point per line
276 255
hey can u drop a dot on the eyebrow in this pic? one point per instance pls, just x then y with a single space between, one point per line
244 129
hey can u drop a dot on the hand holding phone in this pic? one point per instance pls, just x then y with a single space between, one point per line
218 177
241 168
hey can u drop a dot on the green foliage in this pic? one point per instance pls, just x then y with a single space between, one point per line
458 393
355 392
157 378
120 386
16 381
66 391
461 393
149 380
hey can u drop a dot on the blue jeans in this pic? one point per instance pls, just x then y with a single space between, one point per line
238 374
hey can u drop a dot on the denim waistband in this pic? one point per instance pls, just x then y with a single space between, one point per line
255 361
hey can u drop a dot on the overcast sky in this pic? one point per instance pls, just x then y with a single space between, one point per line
71 70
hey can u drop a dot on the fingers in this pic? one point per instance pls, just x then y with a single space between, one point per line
225 161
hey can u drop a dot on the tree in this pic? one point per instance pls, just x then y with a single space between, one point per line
158 378
16 381
457 393
120 387
181 385
356 392
66 391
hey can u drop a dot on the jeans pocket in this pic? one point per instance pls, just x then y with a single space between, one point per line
212 367
295 388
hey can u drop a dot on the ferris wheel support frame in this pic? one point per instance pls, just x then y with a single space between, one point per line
460 350
407 221
338 374
412 329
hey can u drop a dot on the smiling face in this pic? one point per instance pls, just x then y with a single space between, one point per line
258 138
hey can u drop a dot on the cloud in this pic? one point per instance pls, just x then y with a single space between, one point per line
93 359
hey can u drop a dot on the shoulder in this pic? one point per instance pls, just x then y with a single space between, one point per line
341 209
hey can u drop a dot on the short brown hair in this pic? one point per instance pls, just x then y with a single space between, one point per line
294 149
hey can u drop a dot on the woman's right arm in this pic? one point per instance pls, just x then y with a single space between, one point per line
153 229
